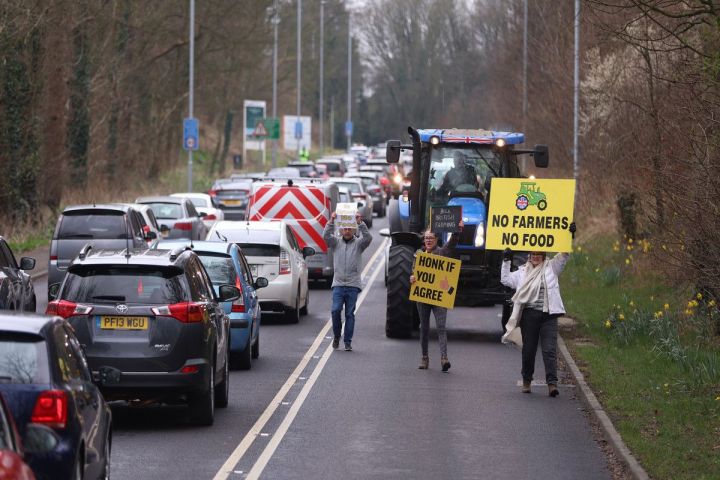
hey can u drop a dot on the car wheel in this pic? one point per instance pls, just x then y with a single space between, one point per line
304 309
256 347
222 390
243 358
292 315
369 223
202 405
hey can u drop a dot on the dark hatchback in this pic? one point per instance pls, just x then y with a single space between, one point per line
152 327
16 287
63 419
231 196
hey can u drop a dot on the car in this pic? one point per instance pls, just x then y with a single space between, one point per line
322 171
226 264
247 175
232 196
203 204
392 178
16 287
151 325
178 217
357 190
371 182
335 166
12 463
283 172
344 195
306 169
114 226
272 251
63 419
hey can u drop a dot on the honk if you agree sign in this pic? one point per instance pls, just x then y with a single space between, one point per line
436 280
530 214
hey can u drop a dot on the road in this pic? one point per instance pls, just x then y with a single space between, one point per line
306 411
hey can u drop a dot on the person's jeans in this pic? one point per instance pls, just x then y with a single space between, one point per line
539 327
344 296
440 314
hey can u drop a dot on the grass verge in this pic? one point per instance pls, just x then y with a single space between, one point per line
651 354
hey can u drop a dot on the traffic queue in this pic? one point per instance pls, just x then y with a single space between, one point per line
157 300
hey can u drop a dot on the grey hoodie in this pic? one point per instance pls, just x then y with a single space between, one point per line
347 256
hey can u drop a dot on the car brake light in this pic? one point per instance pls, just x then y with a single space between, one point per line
210 216
53 258
183 226
239 305
185 312
190 369
51 409
358 195
284 262
384 181
212 193
66 309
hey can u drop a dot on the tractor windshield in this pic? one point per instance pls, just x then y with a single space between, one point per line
462 171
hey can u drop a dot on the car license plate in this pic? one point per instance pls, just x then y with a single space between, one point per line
231 202
123 323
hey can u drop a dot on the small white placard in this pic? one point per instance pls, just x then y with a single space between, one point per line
346 215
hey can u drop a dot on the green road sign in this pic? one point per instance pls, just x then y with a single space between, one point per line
272 127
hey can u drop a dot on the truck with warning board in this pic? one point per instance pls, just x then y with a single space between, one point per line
450 168
306 205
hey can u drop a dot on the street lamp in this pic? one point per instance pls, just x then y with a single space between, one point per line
322 72
275 21
348 125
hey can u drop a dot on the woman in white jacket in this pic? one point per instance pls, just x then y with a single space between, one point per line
537 304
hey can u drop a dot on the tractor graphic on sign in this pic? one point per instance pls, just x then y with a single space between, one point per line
530 194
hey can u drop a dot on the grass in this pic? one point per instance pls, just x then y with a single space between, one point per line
654 367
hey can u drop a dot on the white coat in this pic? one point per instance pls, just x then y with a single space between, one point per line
556 266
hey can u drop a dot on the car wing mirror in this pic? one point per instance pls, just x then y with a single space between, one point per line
202 214
53 290
27 263
229 293
308 252
384 232
260 282
150 235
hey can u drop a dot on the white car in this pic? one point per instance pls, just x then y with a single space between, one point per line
204 205
272 251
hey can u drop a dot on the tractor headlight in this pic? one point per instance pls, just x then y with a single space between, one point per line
434 140
397 178
480 235
500 142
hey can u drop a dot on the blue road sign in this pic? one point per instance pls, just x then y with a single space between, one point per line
191 134
348 128
298 130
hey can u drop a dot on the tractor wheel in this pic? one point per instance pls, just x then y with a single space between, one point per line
542 205
401 312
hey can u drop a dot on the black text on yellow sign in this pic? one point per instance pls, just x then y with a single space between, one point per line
436 280
530 214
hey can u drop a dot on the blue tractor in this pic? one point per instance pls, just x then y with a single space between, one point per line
450 168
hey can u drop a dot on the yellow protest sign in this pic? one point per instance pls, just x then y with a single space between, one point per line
436 280
530 214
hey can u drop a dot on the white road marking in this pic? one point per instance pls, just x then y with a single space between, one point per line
272 445
255 430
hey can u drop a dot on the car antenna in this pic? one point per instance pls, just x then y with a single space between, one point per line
221 236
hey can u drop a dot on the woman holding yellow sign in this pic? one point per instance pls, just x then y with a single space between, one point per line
430 245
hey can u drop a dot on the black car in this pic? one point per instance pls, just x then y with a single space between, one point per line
151 325
64 422
16 287
231 196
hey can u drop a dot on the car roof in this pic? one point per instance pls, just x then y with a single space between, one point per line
160 199
197 246
25 322
138 256
229 225
191 195
119 207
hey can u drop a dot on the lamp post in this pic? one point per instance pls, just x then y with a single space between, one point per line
322 72
299 62
348 127
191 75
275 20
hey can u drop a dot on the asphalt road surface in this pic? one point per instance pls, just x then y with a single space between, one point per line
306 411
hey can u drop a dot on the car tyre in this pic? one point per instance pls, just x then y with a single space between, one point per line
292 315
256 347
369 223
304 309
243 358
202 405
222 390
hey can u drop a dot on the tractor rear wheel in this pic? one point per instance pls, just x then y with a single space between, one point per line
542 204
401 312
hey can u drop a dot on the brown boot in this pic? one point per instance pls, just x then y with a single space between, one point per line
424 362
526 387
445 364
553 390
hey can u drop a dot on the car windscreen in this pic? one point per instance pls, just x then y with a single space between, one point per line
351 186
220 267
126 284
260 249
23 358
97 225
249 235
332 167
167 210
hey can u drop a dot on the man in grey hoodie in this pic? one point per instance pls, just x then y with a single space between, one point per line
347 256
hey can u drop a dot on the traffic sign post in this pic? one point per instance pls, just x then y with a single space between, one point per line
298 130
272 126
348 128
260 132
191 134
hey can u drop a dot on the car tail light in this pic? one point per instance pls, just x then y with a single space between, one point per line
51 409
187 226
185 312
212 193
210 216
66 309
53 258
358 195
284 262
384 181
190 369
239 305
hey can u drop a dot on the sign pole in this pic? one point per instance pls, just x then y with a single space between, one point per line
190 96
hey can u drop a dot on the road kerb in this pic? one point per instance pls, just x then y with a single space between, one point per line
593 405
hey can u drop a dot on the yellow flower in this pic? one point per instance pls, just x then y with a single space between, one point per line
717 399
579 248
666 306
692 304
666 385
616 248
658 314
621 317
630 240
608 324
597 270
689 312
711 303
699 296
632 304
627 261
664 247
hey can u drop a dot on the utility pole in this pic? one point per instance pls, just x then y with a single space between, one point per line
191 86
322 72
299 62
348 125
275 20
576 100
525 82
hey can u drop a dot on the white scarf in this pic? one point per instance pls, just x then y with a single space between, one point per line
527 292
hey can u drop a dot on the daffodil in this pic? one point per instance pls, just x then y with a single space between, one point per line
579 248
627 261
666 306
699 296
632 304
621 317
616 248
608 324
711 303
689 312
597 270
658 314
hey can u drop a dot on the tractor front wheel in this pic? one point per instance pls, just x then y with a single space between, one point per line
542 205
401 312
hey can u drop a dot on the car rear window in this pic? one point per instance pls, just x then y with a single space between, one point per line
332 167
92 225
351 186
200 202
23 359
241 236
259 250
126 284
220 268
166 210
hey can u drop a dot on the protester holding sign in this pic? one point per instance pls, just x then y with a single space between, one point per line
430 245
347 256
536 307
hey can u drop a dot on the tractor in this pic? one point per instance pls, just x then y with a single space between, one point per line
530 194
490 154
